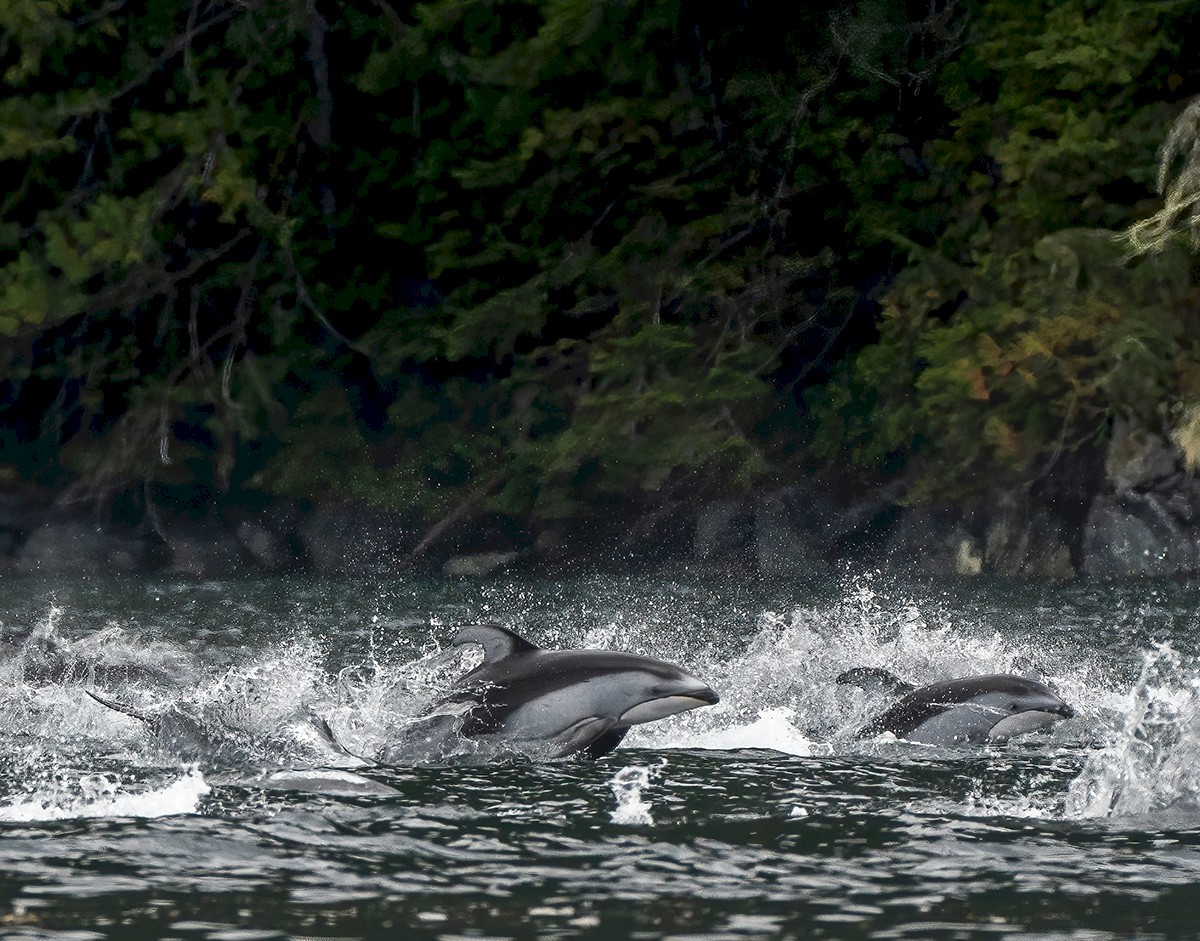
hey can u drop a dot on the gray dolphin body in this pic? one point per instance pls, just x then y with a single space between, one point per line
190 739
969 710
555 703
181 734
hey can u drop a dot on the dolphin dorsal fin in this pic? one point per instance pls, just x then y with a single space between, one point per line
120 707
497 642
875 678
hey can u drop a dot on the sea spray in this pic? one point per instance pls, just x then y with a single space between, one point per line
104 795
773 729
627 786
1153 761
777 684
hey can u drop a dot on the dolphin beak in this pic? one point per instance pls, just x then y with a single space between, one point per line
1066 711
670 704
709 698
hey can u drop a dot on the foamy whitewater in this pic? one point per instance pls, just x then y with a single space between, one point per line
628 786
256 711
202 760
99 795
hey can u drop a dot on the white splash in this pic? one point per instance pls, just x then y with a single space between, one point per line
1153 761
99 795
778 688
627 785
773 729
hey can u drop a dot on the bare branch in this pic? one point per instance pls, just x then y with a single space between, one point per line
1180 156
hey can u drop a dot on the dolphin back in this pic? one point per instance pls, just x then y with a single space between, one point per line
497 642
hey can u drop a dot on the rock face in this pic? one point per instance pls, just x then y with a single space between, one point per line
355 540
1146 521
1025 540
795 531
788 534
204 551
76 547
1138 460
724 530
934 540
1132 511
267 550
479 565
1136 535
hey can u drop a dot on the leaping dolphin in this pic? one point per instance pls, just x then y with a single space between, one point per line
555 703
181 733
191 739
971 709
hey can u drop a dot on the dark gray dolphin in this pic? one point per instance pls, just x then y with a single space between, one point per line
189 738
555 703
176 731
971 709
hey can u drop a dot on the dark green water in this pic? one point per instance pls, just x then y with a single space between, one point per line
761 817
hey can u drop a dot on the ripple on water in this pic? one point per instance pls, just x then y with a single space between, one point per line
761 816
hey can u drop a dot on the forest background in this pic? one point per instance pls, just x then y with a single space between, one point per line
522 267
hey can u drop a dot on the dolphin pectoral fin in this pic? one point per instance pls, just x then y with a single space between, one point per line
594 736
497 642
603 744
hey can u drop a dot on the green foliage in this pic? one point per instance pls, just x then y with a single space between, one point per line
1024 326
539 255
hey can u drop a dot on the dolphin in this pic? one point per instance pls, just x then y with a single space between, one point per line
180 733
331 782
42 656
191 739
554 703
971 709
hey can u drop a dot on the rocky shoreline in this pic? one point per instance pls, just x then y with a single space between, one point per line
1131 512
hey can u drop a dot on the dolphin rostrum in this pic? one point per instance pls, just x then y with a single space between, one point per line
971 709
556 703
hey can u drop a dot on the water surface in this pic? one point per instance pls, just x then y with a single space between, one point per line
762 817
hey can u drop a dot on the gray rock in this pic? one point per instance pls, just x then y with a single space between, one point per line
937 540
1025 541
203 550
76 547
354 540
267 550
1137 458
1132 535
785 542
801 529
479 564
723 528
